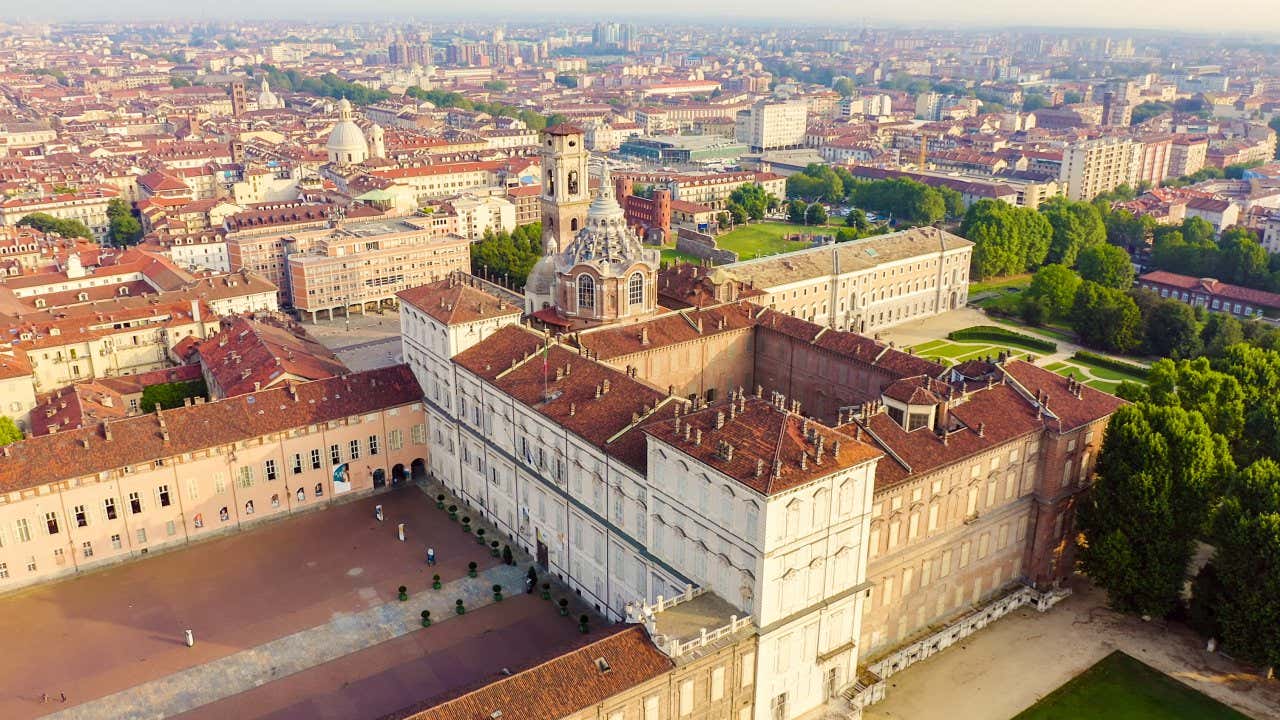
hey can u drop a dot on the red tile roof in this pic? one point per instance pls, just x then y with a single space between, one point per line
454 302
1211 286
249 355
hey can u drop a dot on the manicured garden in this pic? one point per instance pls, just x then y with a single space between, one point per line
1119 687
768 238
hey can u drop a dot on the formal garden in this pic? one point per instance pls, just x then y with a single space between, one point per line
1119 687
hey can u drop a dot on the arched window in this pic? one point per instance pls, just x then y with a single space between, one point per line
573 182
586 292
635 289
573 224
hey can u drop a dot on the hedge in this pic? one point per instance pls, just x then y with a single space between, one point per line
1138 372
990 333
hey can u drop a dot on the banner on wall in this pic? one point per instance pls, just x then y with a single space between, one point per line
342 479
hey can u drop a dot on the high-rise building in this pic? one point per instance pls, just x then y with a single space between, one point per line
772 125
1091 167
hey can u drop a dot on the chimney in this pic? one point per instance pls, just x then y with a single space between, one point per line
106 430
697 436
644 336
687 430
719 419
604 387
573 409
597 392
804 460
759 392
759 467
942 417
777 468
982 429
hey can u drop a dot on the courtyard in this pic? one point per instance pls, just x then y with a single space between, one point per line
286 599
768 238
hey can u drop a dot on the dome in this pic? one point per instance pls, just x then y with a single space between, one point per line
267 100
347 145
605 239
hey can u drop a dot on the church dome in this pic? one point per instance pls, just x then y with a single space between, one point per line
606 240
267 100
347 144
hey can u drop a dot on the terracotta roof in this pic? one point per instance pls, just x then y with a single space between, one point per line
1071 411
761 445
248 355
669 329
142 439
1258 298
560 686
849 344
563 129
454 302
14 366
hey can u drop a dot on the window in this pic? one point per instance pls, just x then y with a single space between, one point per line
635 289
586 292
109 506
163 494
245 476
115 542
31 564
82 518
4 571
420 434
651 708
335 455
686 698
142 536
297 463
171 528
315 459
269 470
395 439
135 503
717 683
354 446
373 444
51 522
319 489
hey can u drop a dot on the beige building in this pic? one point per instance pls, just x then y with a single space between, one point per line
89 206
771 125
865 285
1092 167
80 499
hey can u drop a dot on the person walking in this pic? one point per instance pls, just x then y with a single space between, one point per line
431 556
64 696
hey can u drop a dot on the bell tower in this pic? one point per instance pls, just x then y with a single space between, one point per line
566 188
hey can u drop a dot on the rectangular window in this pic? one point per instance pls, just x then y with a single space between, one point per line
109 506
354 447
651 708
420 434
163 494
135 503
219 483
51 522
82 518
717 684
395 439
142 536
269 470
171 528
315 459
686 698
86 548
245 476
297 463
373 445
193 489
4 571
31 564
115 542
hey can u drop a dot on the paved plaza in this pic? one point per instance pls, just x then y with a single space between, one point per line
263 604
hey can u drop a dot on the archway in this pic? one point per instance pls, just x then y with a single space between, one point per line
379 478
955 299
398 474
418 469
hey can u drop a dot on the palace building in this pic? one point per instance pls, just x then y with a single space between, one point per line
860 507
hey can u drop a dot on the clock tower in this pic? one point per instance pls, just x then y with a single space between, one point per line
566 191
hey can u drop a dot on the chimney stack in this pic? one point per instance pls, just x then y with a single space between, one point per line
719 419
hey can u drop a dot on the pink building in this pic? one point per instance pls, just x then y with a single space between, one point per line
119 489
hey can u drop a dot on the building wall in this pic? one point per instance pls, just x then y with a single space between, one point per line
85 522
709 368
17 398
822 381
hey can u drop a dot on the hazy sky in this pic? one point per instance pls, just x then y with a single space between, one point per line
1253 16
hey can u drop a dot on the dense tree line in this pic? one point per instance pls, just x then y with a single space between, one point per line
903 199
749 201
47 223
508 256
450 99
1007 239
1192 459
327 85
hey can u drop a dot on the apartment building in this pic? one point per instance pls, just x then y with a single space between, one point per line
771 125
1092 167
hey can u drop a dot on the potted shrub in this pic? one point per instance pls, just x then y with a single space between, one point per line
479 536
453 512
546 591
440 501
457 607
471 569
426 618
435 582
497 593
493 549
466 524
507 557
404 593
564 607
582 624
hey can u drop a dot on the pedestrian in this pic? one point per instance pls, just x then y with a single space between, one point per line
431 556
44 697
528 586
190 638
64 696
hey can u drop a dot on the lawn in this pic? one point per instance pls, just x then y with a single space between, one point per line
1122 688
671 256
1016 282
950 352
759 239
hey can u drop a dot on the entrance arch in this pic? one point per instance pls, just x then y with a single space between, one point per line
379 478
418 469
398 474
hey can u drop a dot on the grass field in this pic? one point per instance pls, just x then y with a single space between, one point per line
1122 688
1017 282
759 239
670 255
949 352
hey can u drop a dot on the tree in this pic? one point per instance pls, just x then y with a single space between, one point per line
844 86
1195 387
1246 535
857 219
1106 319
179 82
498 86
1007 240
1076 226
46 223
1054 287
796 211
9 432
952 200
1220 332
1106 265
171 395
1172 330
511 256
123 228
752 198
1156 472
815 215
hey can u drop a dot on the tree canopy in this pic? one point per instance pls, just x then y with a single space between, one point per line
1007 239
9 432
1076 226
47 223
507 255
124 228
1106 318
1106 265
